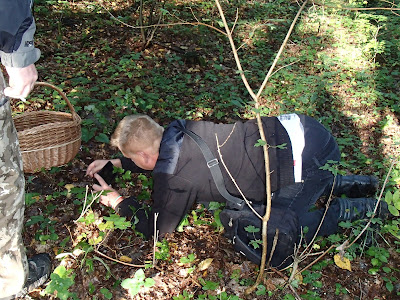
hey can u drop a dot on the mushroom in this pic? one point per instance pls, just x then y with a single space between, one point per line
69 186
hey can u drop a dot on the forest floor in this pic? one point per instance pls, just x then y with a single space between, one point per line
81 52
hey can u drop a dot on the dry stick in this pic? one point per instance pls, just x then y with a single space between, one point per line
86 206
118 261
133 265
155 238
236 19
316 260
260 127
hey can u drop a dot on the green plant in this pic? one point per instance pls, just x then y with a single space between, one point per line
393 201
255 243
139 281
312 278
216 208
340 290
61 280
162 252
146 187
188 259
341 67
379 256
46 231
31 198
185 296
106 293
208 284
333 167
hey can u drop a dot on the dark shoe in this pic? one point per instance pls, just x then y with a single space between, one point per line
39 272
354 186
358 208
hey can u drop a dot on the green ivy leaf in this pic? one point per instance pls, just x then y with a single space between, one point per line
106 293
252 229
149 282
214 205
118 221
255 243
102 138
210 285
260 143
282 146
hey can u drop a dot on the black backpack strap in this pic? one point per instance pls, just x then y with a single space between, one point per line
213 165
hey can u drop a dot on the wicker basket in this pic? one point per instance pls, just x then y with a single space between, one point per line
48 138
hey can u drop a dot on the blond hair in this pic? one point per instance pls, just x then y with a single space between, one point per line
136 133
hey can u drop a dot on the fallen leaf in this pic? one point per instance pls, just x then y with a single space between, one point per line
299 278
125 259
342 262
205 264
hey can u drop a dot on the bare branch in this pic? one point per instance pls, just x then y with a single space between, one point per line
234 181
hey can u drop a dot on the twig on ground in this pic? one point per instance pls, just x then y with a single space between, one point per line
118 261
155 239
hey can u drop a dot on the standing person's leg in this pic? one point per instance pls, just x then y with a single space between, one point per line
12 185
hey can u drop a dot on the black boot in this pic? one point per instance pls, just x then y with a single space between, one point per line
39 272
354 186
357 208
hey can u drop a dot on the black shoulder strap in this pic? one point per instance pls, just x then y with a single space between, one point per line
213 165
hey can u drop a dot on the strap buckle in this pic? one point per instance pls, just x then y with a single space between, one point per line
212 163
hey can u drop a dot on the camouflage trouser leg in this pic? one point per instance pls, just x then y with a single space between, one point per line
13 264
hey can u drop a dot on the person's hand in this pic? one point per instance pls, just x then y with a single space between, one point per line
96 166
21 81
111 197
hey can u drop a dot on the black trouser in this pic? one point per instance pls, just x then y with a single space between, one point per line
320 146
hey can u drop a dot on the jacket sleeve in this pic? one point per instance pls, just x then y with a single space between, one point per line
129 165
173 197
172 200
17 28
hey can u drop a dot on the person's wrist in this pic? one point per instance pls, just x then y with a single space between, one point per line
116 201
116 162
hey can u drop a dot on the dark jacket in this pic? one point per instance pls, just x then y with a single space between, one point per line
181 176
17 28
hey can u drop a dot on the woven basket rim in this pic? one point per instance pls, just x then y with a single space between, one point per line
41 112
52 147
39 129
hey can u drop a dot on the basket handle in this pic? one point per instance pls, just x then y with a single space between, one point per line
70 106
